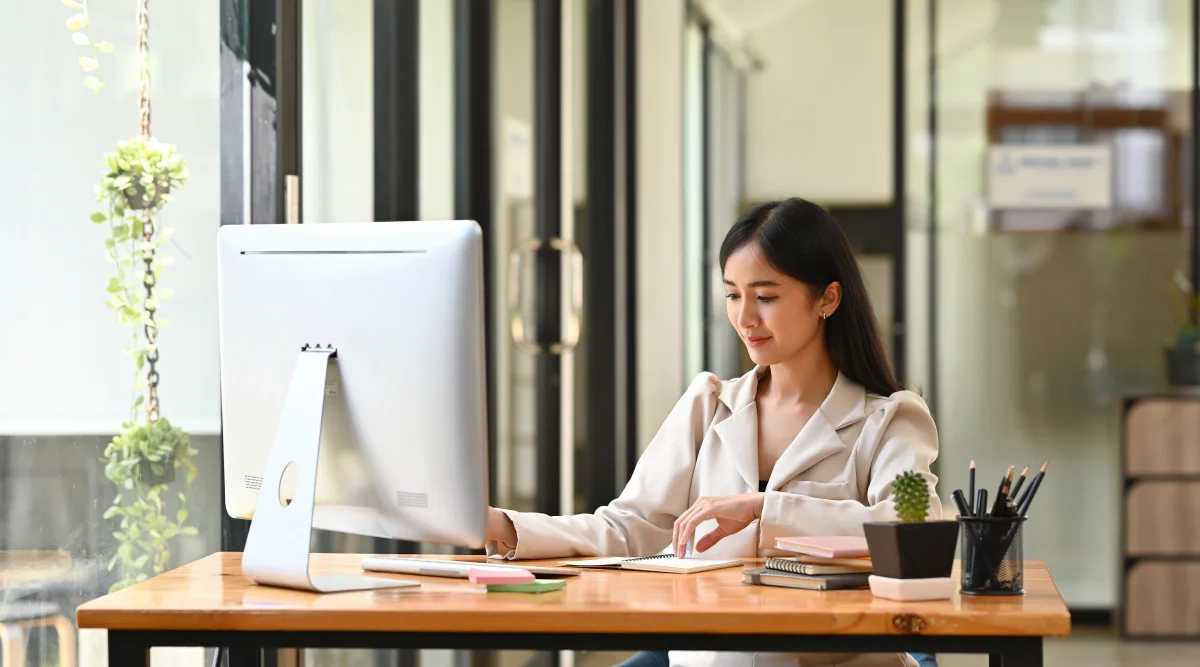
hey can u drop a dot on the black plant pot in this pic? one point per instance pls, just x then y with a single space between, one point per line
1183 367
912 550
137 200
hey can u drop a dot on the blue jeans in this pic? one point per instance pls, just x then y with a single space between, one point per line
659 659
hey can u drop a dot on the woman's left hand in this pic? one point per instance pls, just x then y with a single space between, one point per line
733 513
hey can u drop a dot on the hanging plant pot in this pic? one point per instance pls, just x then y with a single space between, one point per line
152 473
137 199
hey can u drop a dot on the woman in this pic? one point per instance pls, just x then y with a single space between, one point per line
806 444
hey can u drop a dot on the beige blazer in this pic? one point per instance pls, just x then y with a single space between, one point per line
836 475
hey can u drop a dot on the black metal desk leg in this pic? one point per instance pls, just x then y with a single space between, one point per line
995 660
124 649
240 656
1022 652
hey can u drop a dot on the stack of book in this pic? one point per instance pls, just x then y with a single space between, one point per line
821 563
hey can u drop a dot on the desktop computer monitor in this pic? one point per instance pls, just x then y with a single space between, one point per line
353 393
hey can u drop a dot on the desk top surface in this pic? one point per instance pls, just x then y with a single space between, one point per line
212 594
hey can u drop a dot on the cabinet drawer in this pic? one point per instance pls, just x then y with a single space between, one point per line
1162 437
1163 599
1163 518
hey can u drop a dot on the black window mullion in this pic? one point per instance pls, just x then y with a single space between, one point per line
547 123
899 188
473 164
600 303
396 109
631 374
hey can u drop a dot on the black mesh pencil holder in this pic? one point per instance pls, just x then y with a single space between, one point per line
993 561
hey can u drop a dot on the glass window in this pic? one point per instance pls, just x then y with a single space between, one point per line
81 512
695 277
337 108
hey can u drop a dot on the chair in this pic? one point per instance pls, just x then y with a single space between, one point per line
24 574
18 618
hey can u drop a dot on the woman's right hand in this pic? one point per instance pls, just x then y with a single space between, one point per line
501 528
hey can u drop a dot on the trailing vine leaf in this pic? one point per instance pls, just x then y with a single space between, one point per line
80 24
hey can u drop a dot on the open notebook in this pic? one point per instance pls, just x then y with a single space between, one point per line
659 563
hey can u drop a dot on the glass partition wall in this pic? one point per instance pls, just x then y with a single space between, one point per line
1063 135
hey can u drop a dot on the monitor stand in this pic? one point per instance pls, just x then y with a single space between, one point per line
277 549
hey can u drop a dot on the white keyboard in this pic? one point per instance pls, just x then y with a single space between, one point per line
456 569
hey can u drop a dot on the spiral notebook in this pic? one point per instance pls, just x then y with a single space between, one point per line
816 569
829 582
659 563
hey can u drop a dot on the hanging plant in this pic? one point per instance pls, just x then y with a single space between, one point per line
143 459
140 176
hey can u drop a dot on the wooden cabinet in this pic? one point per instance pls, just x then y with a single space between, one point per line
1160 542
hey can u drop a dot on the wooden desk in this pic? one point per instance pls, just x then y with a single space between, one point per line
210 603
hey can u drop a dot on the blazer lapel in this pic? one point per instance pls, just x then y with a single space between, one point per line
739 432
819 439
739 437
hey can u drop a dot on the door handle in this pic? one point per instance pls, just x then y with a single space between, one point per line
572 325
524 334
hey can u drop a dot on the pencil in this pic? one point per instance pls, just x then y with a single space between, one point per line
971 487
1021 500
1020 483
1033 487
1002 492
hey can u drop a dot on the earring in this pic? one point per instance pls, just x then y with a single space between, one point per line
822 314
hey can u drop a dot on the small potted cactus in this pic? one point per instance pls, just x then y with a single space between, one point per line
911 548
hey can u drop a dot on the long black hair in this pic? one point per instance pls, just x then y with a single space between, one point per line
803 241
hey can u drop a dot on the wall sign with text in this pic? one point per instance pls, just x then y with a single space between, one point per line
1050 177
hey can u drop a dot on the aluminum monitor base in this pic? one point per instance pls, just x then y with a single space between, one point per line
277 548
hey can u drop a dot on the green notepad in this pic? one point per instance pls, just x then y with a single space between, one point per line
537 586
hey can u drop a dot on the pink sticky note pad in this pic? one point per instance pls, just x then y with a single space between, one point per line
484 575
